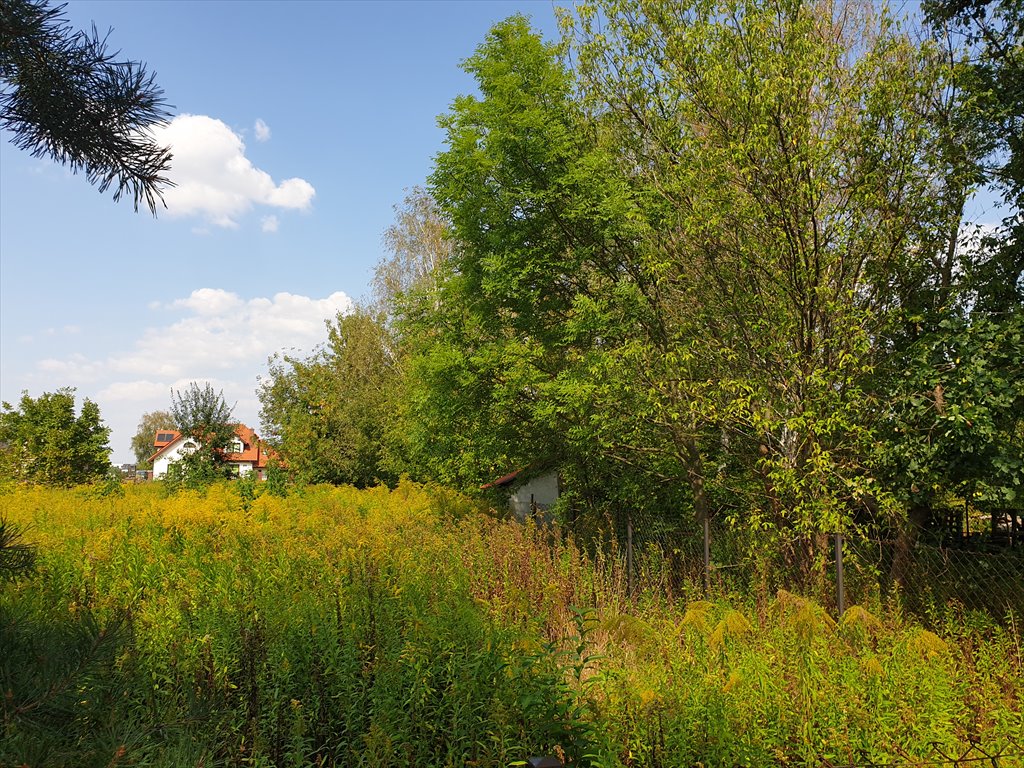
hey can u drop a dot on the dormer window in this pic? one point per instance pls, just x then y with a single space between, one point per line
164 437
236 446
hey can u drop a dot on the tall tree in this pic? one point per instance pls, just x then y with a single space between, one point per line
790 145
328 414
43 441
679 262
143 441
418 244
524 352
338 415
64 95
201 414
990 80
530 284
952 424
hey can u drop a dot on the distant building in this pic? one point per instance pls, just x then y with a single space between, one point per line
532 492
246 454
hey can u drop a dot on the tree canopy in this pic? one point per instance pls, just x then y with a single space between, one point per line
988 81
43 441
201 414
707 258
328 414
142 441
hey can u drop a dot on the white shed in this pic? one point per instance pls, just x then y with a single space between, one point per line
531 493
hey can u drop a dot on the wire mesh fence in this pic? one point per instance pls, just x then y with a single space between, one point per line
1007 753
929 576
684 559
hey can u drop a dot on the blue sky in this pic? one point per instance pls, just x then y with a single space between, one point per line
298 126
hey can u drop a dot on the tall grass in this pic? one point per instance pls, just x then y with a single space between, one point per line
407 628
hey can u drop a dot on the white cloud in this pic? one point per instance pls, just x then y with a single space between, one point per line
220 332
223 331
291 193
262 130
269 223
209 301
213 178
214 336
134 391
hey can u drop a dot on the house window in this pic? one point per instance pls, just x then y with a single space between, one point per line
164 437
188 446
236 446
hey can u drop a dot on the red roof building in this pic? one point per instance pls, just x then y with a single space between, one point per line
246 453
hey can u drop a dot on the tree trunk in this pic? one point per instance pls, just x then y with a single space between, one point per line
917 516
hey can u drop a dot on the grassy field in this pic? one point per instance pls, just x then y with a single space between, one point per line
408 628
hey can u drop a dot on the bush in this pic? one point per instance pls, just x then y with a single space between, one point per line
340 627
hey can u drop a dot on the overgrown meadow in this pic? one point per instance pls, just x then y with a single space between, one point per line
412 628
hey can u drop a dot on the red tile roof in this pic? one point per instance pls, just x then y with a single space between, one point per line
252 449
501 482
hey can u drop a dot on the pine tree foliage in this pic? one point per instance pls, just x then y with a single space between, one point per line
63 702
16 557
65 95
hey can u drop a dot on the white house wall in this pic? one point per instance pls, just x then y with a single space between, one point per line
168 457
174 452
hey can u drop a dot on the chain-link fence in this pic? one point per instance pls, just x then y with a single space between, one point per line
928 576
1007 753
981 570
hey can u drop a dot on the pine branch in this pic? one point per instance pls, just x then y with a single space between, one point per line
64 95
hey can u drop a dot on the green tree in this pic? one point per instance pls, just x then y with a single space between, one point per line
142 442
491 339
340 415
328 414
523 351
201 414
676 265
43 441
952 376
791 149
956 424
418 244
64 95
989 78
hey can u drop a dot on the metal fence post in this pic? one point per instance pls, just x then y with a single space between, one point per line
840 598
707 556
629 554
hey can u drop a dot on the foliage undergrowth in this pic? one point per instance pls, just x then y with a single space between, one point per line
405 628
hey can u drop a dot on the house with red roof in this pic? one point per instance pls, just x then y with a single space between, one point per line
246 454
